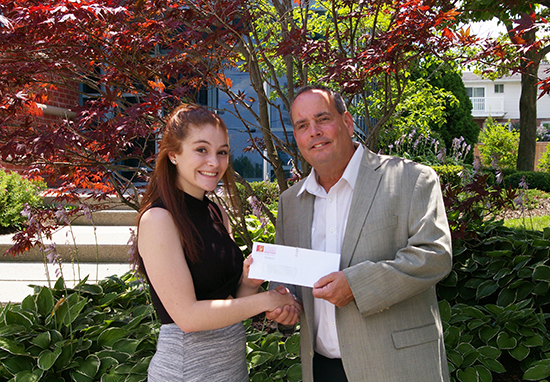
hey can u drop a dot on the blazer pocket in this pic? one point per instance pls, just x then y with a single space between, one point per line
381 224
415 336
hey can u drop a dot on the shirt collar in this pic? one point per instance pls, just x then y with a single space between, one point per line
312 186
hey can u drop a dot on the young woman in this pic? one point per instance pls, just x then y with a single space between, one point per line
195 270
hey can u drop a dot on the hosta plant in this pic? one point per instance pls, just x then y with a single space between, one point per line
93 332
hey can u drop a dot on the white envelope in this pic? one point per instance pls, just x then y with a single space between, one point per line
291 265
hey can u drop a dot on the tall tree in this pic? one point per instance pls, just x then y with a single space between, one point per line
364 49
524 20
138 59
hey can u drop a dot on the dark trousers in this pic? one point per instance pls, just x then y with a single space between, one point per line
328 369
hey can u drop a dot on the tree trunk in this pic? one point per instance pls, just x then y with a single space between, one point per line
528 114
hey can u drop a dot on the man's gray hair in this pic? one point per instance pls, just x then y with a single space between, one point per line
337 97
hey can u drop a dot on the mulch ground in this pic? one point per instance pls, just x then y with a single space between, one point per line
537 207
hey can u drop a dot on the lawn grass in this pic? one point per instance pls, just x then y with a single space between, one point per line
535 223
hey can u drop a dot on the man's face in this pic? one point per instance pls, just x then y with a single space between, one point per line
322 134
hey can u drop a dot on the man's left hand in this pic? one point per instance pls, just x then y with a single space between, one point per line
334 288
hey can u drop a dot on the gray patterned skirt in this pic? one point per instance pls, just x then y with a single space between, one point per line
212 355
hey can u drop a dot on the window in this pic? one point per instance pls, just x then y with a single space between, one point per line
499 88
477 96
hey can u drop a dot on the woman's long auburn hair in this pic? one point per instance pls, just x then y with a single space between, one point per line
163 184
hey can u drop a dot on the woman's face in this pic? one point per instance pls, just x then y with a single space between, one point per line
203 159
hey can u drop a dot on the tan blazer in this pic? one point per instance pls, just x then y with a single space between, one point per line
397 246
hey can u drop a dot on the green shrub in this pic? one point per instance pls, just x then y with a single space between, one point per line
493 172
535 180
495 305
15 192
544 162
499 145
449 173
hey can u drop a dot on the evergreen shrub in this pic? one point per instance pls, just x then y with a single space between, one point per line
535 180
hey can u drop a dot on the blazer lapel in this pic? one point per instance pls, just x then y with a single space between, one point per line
365 189
305 217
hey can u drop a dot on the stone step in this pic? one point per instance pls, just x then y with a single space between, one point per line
103 244
111 202
113 217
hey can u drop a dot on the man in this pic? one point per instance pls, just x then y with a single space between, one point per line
377 319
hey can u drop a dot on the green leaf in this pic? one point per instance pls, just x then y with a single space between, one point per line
541 288
17 318
506 342
501 273
468 375
524 290
292 344
126 345
294 373
256 358
42 340
44 301
59 284
28 303
445 310
89 366
450 280
79 377
539 370
499 253
16 364
493 365
520 352
533 341
92 289
452 336
66 356
455 357
541 273
489 351
484 374
47 358
107 363
141 366
111 335
74 311
135 378
26 376
486 288
12 347
472 312
506 297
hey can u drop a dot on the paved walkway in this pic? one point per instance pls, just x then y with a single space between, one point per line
15 277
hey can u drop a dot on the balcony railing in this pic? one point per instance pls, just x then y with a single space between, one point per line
485 106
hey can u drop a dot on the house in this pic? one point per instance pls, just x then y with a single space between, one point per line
499 99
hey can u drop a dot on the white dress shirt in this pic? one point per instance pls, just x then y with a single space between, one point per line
330 215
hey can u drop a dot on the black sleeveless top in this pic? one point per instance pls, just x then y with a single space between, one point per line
217 273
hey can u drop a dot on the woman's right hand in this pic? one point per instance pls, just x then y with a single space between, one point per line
286 308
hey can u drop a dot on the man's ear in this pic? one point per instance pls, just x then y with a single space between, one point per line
348 120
